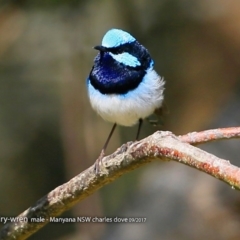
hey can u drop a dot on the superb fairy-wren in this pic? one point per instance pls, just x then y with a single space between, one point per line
123 86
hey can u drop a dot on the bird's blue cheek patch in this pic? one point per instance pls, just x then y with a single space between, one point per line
126 59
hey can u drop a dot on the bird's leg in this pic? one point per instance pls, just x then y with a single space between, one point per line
99 160
139 128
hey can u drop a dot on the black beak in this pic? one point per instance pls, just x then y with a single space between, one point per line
100 48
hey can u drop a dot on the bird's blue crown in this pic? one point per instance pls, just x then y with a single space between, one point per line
121 63
116 37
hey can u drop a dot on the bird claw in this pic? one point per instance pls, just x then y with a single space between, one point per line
98 162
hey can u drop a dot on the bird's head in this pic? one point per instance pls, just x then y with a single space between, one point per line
124 49
121 64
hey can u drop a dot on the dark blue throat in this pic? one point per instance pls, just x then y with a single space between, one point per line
111 77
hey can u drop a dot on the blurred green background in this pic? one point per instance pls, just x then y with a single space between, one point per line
49 133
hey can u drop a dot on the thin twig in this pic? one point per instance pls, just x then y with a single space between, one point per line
159 146
195 138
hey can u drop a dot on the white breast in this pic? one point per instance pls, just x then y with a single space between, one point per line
127 109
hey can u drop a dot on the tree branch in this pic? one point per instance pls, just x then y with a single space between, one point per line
160 146
196 138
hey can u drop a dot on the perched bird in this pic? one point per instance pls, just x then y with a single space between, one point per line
123 86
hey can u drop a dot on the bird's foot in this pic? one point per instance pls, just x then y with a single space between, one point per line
99 162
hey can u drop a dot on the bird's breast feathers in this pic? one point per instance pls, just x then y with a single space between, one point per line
127 109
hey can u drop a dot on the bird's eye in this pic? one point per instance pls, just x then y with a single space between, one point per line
117 50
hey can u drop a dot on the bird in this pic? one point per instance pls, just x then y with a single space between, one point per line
123 87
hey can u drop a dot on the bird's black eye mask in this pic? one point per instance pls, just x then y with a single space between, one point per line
127 47
119 49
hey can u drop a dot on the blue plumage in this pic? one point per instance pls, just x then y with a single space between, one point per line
126 59
123 86
116 37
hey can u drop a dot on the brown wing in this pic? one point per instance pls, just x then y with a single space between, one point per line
157 118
